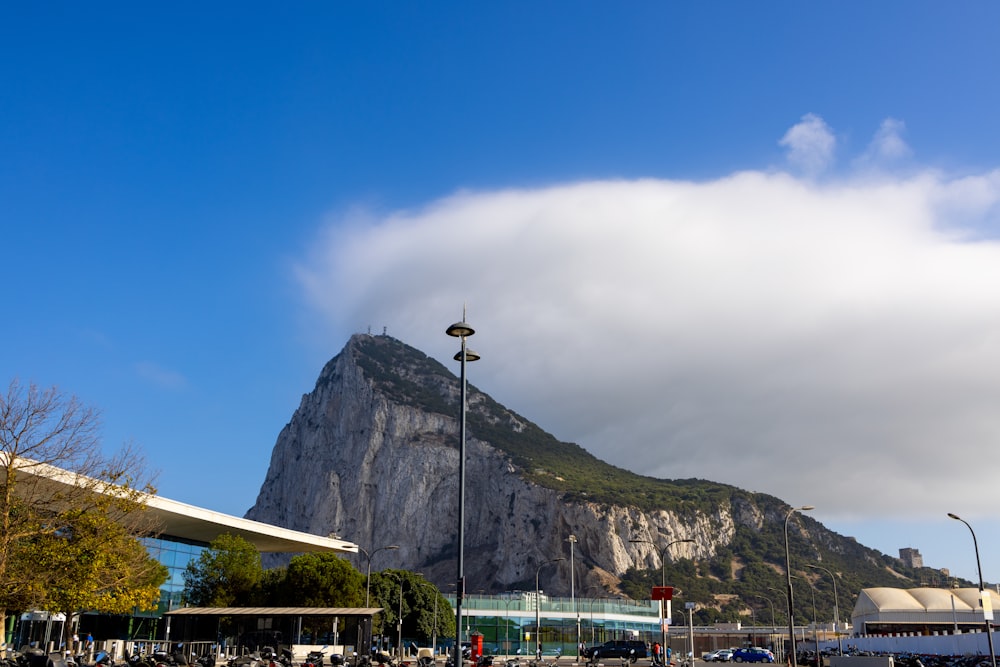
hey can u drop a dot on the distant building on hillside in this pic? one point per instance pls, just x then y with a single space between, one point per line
911 557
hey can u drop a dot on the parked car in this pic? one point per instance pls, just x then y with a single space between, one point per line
721 655
752 654
619 648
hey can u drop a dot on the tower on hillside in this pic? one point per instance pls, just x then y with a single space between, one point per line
911 557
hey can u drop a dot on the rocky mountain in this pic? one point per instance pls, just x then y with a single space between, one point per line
372 455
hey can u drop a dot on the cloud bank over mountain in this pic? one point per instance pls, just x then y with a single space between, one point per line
752 329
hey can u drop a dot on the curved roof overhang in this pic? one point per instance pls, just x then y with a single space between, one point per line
188 522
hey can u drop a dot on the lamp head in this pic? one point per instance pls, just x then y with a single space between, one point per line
460 330
470 355
954 516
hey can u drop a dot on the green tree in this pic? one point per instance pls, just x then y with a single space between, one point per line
423 605
323 580
54 479
227 574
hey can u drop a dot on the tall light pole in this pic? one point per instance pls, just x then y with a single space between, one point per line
663 583
434 628
399 619
369 556
788 573
461 330
783 650
770 634
815 627
836 607
987 606
538 608
506 631
572 591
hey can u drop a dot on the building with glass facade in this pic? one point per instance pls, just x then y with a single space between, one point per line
507 622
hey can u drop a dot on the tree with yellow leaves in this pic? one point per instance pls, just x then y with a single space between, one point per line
70 516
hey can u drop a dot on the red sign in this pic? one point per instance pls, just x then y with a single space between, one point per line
663 592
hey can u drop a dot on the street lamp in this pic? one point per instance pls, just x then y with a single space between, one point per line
538 608
369 556
572 591
783 647
399 618
663 582
788 573
836 607
461 330
815 628
434 628
770 634
982 591
506 631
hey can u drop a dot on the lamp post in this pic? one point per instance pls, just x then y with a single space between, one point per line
663 583
434 627
836 607
788 573
369 556
782 594
572 591
461 330
593 630
399 620
506 631
592 591
538 608
987 607
815 627
771 604
399 617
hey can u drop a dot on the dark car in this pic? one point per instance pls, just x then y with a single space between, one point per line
619 648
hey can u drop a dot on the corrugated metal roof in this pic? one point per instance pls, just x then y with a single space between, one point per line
274 611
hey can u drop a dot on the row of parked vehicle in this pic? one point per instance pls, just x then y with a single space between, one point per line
746 654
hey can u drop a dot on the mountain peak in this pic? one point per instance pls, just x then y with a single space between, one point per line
372 454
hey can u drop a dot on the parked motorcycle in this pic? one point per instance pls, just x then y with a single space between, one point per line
314 659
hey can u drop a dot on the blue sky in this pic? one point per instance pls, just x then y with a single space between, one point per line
747 242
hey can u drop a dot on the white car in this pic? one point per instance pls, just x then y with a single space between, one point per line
721 655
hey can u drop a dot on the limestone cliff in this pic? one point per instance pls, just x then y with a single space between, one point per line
372 455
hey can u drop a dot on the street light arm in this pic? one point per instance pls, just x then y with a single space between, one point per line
368 580
982 589
663 579
836 605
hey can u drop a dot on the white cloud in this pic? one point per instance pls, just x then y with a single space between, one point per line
888 143
887 147
757 329
810 144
